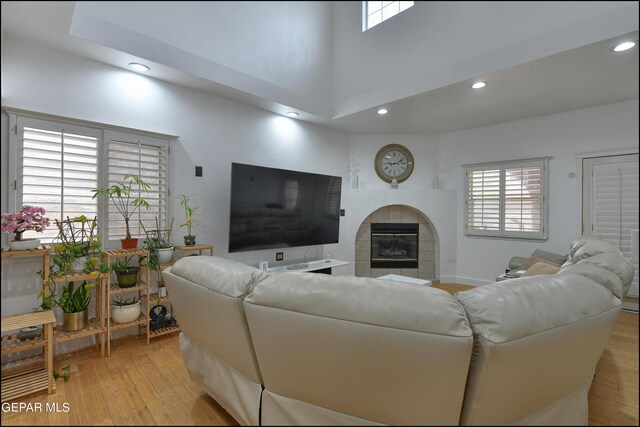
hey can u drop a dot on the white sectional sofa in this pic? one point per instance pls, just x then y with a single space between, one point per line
312 349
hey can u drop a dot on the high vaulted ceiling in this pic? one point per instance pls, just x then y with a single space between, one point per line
312 57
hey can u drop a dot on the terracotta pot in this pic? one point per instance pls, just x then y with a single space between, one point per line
129 244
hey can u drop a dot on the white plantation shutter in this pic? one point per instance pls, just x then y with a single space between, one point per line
523 199
483 200
57 169
147 158
506 199
614 204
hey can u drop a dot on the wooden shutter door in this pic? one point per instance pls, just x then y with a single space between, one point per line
611 192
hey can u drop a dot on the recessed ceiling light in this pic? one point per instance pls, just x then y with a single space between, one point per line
141 68
621 47
382 111
479 85
292 114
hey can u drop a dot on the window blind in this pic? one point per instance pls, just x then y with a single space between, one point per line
149 161
506 199
59 170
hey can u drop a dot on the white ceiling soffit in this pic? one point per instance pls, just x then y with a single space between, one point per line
579 78
91 21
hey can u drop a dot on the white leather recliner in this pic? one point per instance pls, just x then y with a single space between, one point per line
207 294
538 339
338 350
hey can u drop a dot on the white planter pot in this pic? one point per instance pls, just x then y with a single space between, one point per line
165 255
126 313
78 264
21 245
162 291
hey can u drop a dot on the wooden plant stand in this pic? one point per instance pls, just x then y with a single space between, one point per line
182 249
29 381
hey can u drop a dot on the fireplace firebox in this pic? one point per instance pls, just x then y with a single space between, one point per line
394 245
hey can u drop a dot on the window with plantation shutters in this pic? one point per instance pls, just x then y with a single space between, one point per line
147 158
58 168
506 199
56 165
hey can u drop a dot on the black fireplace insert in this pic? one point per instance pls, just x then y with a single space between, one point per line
394 245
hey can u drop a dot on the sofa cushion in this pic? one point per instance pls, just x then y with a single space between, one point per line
541 268
578 243
530 262
232 278
504 311
351 298
550 257
594 247
598 274
616 263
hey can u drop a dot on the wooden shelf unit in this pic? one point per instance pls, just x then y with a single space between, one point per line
182 249
27 382
141 287
97 324
153 299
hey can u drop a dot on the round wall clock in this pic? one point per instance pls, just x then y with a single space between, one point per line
394 161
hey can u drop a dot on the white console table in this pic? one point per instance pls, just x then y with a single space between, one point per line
311 267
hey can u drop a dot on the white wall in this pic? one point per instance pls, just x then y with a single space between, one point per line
213 133
434 44
477 260
277 50
561 136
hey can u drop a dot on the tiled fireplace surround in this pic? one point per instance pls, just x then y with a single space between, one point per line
404 215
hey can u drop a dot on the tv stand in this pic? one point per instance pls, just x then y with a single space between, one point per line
319 266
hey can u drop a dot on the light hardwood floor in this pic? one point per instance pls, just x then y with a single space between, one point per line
148 385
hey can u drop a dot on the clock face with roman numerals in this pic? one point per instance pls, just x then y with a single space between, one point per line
394 161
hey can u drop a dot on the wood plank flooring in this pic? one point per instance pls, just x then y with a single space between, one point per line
148 385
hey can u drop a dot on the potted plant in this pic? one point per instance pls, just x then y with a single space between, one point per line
79 248
125 310
74 302
29 218
126 274
126 202
157 242
189 212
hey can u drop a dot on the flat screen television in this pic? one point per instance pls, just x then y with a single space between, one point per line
278 208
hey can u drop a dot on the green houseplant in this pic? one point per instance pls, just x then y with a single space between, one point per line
123 196
79 248
74 302
125 310
189 213
157 243
126 274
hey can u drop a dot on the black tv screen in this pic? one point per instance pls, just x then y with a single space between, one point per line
278 208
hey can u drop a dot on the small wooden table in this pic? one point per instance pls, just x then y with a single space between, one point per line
30 381
181 249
